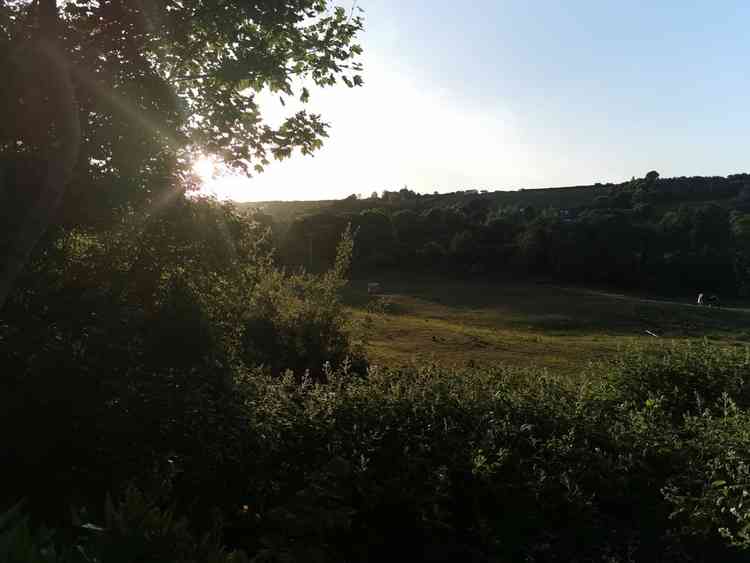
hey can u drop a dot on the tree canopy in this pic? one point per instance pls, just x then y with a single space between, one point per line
115 98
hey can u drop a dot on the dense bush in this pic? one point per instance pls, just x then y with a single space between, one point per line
438 464
135 529
120 349
500 465
295 322
684 379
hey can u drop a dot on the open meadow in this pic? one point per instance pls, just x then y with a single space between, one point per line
453 322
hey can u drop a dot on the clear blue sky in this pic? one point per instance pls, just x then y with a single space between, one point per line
508 94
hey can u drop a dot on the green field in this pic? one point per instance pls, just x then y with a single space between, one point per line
523 324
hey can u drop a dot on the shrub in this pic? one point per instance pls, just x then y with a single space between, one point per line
711 494
684 378
497 464
121 349
297 322
134 529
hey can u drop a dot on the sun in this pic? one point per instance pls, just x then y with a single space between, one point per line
205 168
213 179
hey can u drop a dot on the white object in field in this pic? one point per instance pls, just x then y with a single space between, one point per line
373 287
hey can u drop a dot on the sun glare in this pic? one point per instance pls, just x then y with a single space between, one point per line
205 168
215 179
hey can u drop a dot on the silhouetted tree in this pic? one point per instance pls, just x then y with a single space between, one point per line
118 97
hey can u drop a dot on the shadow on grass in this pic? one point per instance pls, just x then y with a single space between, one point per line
548 310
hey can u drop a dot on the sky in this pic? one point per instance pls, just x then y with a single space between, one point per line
510 94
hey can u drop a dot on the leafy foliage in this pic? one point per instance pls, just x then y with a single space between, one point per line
115 100
444 464
139 335
152 78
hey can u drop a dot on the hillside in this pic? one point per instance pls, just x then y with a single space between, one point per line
672 236
283 211
719 189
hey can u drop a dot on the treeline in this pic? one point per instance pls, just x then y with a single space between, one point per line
672 235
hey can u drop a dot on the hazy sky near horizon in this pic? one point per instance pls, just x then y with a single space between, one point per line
509 94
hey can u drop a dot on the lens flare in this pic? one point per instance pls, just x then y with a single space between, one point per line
205 168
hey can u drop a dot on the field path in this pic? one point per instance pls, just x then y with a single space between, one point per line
583 291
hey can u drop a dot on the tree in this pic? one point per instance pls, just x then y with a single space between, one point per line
500 230
406 223
60 146
375 238
116 98
463 246
311 241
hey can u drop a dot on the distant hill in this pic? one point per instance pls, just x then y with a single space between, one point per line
566 197
671 191
286 211
658 234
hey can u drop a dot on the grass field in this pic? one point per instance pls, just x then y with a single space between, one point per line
523 324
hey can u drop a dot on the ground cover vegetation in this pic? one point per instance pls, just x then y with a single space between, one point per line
170 392
464 321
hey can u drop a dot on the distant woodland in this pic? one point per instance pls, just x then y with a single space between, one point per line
671 235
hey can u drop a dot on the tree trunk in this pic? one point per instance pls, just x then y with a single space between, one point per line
62 150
